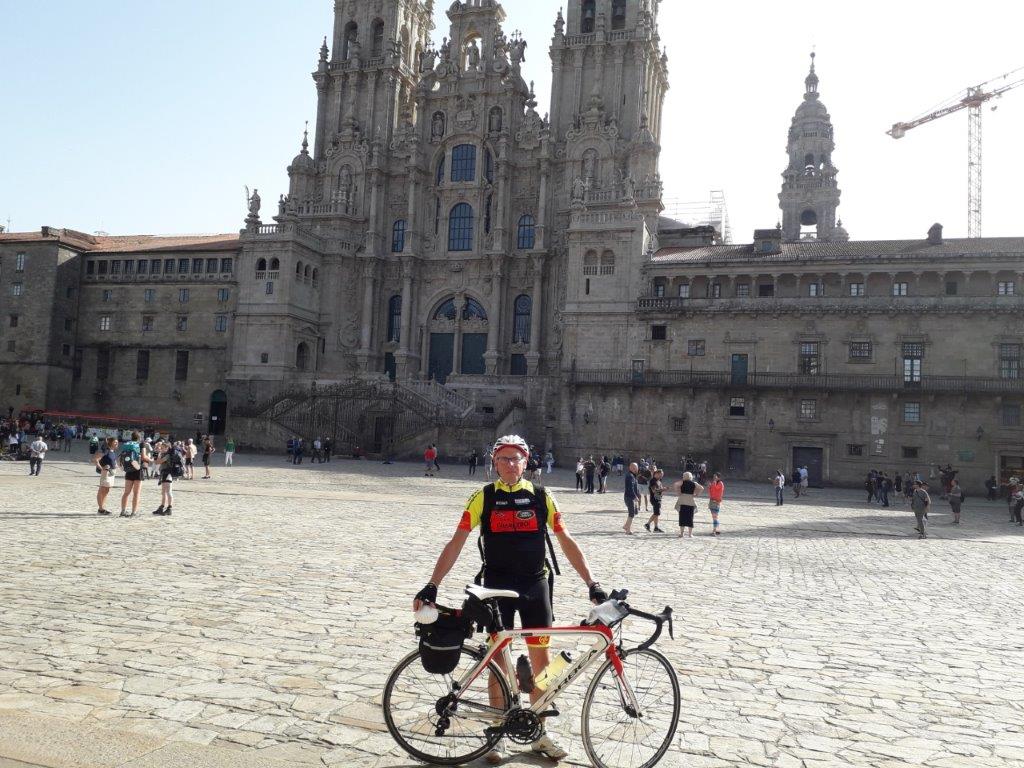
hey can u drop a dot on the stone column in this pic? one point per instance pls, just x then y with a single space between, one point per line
494 322
365 353
405 340
533 356
460 302
542 206
321 117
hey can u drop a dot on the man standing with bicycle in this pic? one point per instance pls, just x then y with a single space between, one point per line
514 517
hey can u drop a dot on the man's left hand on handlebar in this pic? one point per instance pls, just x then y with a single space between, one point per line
597 593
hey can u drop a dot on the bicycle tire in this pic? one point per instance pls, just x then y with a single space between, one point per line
475 655
629 659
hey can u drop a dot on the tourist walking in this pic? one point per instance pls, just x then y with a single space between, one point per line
549 461
130 457
797 485
779 482
686 503
991 487
884 488
920 502
643 479
229 452
318 445
602 475
489 464
579 473
869 486
105 461
190 454
956 499
208 451
716 492
170 466
805 479
589 467
1016 502
474 459
631 495
908 487
37 452
429 461
329 449
437 457
655 488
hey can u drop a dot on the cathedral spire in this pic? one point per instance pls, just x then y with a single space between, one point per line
305 139
811 81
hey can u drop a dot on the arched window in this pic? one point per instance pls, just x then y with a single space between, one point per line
464 163
275 265
488 165
526 236
440 171
460 228
618 14
473 309
395 319
307 272
446 311
523 308
377 47
588 17
405 47
590 263
607 263
302 356
398 236
487 214
316 277
298 269
261 265
437 215
351 36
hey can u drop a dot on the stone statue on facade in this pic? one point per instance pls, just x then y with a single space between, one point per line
473 57
628 189
446 50
437 126
579 191
254 204
518 48
428 60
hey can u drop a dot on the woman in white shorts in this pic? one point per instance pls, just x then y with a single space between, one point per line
105 461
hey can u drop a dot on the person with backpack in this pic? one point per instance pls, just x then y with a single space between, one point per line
130 460
920 502
171 464
514 517
105 462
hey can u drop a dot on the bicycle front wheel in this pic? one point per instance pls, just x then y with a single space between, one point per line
613 734
417 705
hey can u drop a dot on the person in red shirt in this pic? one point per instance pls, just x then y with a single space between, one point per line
429 457
716 492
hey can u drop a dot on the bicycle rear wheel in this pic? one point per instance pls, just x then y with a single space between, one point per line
617 738
414 701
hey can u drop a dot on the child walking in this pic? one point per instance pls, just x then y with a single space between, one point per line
656 488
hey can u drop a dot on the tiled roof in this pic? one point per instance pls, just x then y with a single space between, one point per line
814 251
125 243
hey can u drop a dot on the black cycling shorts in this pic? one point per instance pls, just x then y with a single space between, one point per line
533 606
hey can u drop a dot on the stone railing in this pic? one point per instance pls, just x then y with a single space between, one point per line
830 305
586 39
437 393
831 382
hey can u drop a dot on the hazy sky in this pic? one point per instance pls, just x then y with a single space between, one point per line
151 117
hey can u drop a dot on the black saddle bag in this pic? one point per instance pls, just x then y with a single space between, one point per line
441 642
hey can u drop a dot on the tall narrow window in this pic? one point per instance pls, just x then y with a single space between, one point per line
488 165
913 354
437 215
1009 361
351 36
182 266
487 214
302 356
590 263
398 236
181 366
377 47
142 365
588 17
464 163
810 360
394 318
523 309
197 266
440 171
19 262
460 228
102 363
618 14
527 234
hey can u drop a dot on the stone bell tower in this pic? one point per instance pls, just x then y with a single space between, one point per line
810 193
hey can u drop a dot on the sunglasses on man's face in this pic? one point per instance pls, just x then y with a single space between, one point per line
509 459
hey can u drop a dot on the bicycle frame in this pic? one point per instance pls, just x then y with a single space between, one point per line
499 650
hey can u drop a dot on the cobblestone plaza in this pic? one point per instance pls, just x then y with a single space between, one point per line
257 625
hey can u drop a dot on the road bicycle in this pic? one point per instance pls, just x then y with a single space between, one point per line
630 710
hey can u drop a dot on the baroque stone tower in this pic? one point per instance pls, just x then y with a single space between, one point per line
810 193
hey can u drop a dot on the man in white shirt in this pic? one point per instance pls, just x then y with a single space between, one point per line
38 451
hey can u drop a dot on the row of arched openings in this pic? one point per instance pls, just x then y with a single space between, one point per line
461 222
588 15
302 271
350 42
472 309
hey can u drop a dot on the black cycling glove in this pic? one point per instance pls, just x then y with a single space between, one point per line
428 594
597 593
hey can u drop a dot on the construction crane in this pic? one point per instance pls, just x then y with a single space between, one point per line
972 100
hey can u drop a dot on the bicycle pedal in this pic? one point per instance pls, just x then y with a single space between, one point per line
550 713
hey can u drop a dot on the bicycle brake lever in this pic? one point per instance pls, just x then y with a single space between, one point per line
667 613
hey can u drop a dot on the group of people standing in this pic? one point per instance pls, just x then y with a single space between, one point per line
645 489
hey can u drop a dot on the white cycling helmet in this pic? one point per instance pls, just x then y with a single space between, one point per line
512 441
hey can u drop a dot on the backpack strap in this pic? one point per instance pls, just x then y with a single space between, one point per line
542 498
484 521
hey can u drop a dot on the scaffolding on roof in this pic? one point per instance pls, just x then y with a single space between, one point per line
713 212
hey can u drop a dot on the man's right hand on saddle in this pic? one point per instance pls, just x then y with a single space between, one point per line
427 595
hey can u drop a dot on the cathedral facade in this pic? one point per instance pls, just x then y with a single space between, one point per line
449 264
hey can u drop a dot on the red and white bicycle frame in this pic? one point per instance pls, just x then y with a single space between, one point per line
499 650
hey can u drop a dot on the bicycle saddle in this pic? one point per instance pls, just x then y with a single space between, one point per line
483 593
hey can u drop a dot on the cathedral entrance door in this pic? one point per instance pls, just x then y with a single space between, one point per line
473 347
218 413
442 356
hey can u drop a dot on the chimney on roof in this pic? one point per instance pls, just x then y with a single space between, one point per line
935 234
768 240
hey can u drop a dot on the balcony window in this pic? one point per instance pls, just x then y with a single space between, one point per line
860 351
108 295
102 267
743 291
1010 415
220 323
810 360
143 267
607 263
1009 361
815 290
808 410
696 347
129 266
105 322
522 318
154 266
737 406
913 354
14 321
17 289
182 266
223 294
181 366
659 333
715 291
765 291
115 267
226 266
19 262
684 290
142 365
149 295
951 288
856 289
90 267
197 266
659 288
901 289
169 267
1006 288
211 266
911 413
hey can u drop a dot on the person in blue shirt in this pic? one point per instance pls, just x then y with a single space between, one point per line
631 496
